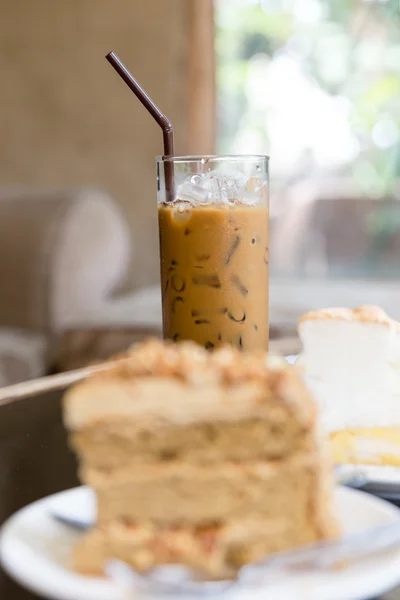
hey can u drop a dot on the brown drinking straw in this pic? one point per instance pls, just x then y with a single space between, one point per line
164 123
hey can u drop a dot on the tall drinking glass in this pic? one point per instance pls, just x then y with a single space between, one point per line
214 247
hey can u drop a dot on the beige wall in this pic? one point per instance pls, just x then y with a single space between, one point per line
66 119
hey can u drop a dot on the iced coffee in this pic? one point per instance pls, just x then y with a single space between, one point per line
214 247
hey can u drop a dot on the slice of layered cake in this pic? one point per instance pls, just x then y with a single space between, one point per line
211 460
351 363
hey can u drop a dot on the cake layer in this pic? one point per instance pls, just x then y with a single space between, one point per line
182 402
373 446
119 443
218 551
182 493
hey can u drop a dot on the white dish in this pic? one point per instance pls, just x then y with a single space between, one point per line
35 549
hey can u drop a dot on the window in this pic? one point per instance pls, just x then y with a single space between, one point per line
316 84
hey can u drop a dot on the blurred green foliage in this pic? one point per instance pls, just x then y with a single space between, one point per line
350 48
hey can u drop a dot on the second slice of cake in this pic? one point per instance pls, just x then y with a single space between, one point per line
211 460
351 363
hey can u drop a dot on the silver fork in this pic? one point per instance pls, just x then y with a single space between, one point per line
352 476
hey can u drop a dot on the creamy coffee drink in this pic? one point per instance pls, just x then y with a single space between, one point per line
214 246
214 272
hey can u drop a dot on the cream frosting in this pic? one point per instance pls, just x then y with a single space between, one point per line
351 363
158 383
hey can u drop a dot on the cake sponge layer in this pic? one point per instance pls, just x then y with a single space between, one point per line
181 493
120 443
371 446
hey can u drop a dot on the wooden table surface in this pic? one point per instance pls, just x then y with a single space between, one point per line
35 461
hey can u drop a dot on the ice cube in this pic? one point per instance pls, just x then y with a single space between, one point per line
193 190
193 193
182 211
227 184
256 190
223 185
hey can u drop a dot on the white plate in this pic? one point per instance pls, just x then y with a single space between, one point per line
35 550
